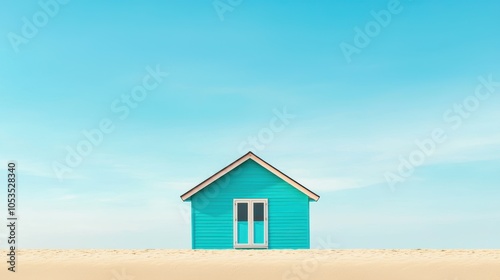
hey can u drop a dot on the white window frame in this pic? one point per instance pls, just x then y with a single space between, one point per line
250 244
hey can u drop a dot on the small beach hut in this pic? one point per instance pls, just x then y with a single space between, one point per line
250 204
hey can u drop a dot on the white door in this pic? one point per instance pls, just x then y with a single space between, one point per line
250 223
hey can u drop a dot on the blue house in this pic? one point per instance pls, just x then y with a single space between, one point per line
250 204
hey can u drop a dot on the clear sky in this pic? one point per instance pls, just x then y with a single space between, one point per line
388 110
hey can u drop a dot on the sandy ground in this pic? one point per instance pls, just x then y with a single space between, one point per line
253 264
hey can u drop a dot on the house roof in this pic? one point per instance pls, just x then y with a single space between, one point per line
262 163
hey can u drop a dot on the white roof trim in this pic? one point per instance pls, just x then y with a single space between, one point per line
262 163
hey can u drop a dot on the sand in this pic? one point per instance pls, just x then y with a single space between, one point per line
254 264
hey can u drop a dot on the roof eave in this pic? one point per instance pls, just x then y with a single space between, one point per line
186 196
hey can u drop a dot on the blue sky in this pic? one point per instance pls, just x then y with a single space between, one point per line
351 120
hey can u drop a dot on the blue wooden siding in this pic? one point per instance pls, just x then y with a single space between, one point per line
212 209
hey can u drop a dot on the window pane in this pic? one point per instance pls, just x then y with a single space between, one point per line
242 212
258 211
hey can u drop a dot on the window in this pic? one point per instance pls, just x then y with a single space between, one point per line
258 211
242 212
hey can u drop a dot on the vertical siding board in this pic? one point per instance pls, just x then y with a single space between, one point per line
212 209
193 224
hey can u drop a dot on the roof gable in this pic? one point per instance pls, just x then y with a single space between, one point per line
259 161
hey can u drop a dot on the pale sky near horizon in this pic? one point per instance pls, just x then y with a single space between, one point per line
261 76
